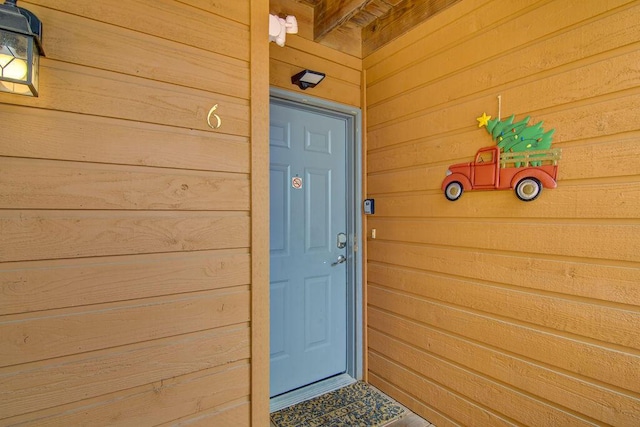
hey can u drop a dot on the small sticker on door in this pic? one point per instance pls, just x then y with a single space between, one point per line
296 182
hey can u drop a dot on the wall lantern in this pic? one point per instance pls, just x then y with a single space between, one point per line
307 78
20 49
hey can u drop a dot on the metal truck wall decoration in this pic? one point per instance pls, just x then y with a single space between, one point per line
522 160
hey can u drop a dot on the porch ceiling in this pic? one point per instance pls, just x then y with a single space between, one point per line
395 17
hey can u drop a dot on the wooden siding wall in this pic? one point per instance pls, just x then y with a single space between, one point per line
125 220
342 83
339 58
489 310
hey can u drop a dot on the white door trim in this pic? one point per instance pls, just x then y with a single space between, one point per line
355 350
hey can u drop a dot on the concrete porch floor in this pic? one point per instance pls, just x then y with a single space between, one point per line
409 420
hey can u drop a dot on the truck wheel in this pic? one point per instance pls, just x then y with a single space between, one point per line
528 189
453 191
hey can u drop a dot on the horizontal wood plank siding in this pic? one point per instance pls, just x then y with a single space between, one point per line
488 310
47 285
88 329
342 83
60 135
153 403
36 235
212 26
91 374
98 44
103 93
125 244
28 183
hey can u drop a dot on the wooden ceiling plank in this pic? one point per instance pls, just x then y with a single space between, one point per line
399 20
331 14
362 19
378 8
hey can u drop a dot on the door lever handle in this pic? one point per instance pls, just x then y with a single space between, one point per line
340 260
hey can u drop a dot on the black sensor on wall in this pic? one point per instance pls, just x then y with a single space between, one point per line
307 78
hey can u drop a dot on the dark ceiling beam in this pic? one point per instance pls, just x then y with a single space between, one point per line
404 16
331 14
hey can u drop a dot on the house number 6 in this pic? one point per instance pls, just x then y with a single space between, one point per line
218 119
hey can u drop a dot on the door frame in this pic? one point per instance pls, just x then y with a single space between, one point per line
355 291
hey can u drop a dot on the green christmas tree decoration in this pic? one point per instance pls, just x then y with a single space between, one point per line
501 130
517 137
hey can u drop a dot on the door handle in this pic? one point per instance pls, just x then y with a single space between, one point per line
340 260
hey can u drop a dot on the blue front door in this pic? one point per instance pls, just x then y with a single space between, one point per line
308 224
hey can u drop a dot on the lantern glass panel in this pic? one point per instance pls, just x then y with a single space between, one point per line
17 62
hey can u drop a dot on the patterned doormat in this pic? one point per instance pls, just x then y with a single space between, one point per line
356 405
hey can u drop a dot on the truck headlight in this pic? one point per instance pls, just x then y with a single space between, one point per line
448 172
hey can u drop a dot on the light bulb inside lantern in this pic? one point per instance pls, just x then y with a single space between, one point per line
4 59
13 68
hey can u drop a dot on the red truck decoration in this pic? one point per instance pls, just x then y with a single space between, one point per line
521 160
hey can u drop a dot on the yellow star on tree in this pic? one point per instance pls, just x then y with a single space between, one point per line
483 120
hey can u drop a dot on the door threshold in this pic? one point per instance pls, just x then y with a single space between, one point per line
309 392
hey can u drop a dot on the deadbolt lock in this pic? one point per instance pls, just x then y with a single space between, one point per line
341 241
